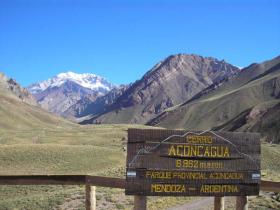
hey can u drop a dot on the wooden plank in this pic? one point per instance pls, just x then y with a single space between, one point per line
106 181
270 186
63 180
143 135
166 163
191 189
43 180
179 176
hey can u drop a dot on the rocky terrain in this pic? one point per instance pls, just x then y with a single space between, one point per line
88 107
169 83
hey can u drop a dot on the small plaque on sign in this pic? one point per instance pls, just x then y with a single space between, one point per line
131 173
256 176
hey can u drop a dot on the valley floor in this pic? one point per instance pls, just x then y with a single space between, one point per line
96 150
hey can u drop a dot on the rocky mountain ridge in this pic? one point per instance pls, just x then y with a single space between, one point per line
169 83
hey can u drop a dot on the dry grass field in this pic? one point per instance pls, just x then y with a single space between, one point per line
33 141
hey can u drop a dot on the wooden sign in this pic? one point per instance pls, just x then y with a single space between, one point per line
181 163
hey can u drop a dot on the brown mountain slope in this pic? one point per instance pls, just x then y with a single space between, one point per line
86 106
228 106
169 83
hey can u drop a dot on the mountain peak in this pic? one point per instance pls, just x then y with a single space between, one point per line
194 58
193 66
71 74
86 80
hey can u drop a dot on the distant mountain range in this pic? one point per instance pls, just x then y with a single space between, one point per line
61 92
88 81
169 83
182 91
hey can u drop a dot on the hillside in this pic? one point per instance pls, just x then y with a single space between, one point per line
9 87
228 106
170 82
263 118
16 112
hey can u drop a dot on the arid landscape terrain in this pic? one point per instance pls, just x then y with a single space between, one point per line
36 141
143 104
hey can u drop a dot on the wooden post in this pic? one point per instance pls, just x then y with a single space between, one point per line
241 203
140 202
90 197
219 203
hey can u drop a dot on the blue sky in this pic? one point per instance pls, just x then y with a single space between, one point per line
122 39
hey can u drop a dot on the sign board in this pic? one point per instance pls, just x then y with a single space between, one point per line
182 163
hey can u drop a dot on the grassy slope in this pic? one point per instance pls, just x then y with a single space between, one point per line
17 115
218 110
270 161
33 141
57 159
266 121
129 115
57 145
269 124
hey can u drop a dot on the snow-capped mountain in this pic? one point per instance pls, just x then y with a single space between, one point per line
86 80
66 89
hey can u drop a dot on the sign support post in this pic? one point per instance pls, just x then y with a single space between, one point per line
140 202
241 203
90 197
219 203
